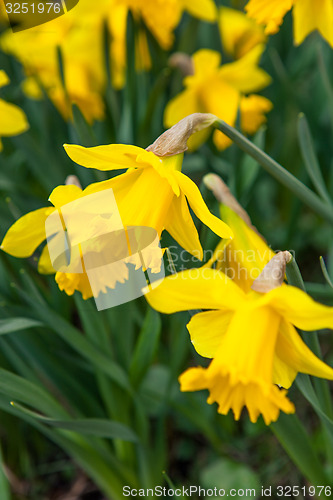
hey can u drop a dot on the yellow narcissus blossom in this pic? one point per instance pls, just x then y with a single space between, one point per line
222 90
161 18
12 119
152 193
250 336
239 34
308 16
79 36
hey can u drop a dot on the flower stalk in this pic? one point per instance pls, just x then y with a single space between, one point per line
277 171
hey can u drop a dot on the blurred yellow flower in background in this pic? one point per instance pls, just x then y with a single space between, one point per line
12 119
308 16
79 36
162 16
251 337
222 90
239 34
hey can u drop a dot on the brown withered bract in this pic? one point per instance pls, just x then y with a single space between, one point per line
272 276
174 140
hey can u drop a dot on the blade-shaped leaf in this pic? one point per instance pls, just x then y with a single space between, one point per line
15 324
93 426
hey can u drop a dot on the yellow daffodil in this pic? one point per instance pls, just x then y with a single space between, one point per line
161 18
152 193
79 35
250 336
12 119
308 16
222 90
239 34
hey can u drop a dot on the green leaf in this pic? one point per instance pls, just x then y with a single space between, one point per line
310 158
16 387
74 337
295 440
303 382
106 470
325 272
92 426
146 346
15 324
224 474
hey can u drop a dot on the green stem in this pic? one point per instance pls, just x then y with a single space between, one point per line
277 171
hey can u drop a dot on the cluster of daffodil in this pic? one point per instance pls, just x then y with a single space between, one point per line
250 314
80 37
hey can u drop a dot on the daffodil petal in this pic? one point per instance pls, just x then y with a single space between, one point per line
218 254
202 9
194 289
299 308
44 262
245 74
205 61
207 330
182 105
239 34
119 183
27 233
110 157
180 225
193 379
165 167
268 13
4 79
13 119
311 15
253 109
222 100
193 195
64 194
295 353
283 374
